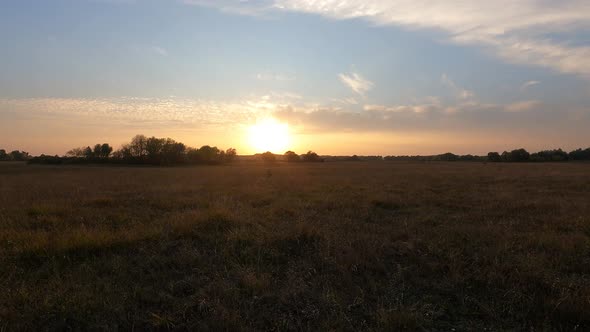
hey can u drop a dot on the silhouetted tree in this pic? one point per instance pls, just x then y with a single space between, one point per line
505 156
291 157
518 155
88 153
580 154
138 146
468 157
154 148
16 155
172 152
448 157
311 156
105 150
193 156
550 155
96 151
230 154
75 152
268 157
494 157
124 153
3 154
208 154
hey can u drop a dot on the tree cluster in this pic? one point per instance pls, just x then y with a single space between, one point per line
14 155
100 151
522 155
143 150
439 157
289 156
517 155
310 157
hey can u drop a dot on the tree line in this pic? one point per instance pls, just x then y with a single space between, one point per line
439 157
522 155
166 151
517 155
142 150
15 155
291 157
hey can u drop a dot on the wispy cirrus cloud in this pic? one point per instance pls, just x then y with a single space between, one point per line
159 50
523 106
345 101
516 31
427 105
528 84
239 7
275 77
356 83
146 111
435 106
459 92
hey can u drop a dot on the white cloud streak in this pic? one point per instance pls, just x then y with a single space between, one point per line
523 106
459 92
356 83
239 7
528 84
275 77
178 112
159 50
345 101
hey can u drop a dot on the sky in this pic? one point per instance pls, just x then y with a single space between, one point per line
366 77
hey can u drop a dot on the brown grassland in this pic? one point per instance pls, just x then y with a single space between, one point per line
291 247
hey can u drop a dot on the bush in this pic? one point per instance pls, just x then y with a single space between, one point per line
494 157
292 157
311 156
268 157
580 154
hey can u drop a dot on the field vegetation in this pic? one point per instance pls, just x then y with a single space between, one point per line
296 246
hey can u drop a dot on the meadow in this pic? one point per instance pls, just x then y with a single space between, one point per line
347 246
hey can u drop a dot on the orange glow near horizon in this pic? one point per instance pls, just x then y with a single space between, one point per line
269 135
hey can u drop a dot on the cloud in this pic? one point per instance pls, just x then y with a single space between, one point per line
381 108
274 77
257 8
345 101
159 50
506 122
433 105
189 116
356 83
528 84
459 92
523 106
173 111
517 31
424 107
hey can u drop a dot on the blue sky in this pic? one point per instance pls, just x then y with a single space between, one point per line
348 76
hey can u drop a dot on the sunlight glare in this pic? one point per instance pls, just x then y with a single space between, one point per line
269 135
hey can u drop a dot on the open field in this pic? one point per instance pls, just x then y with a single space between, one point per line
327 246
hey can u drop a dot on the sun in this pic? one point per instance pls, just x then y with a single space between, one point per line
269 135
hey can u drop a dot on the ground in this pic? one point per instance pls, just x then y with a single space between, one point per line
326 246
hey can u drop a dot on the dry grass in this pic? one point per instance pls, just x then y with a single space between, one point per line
333 246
